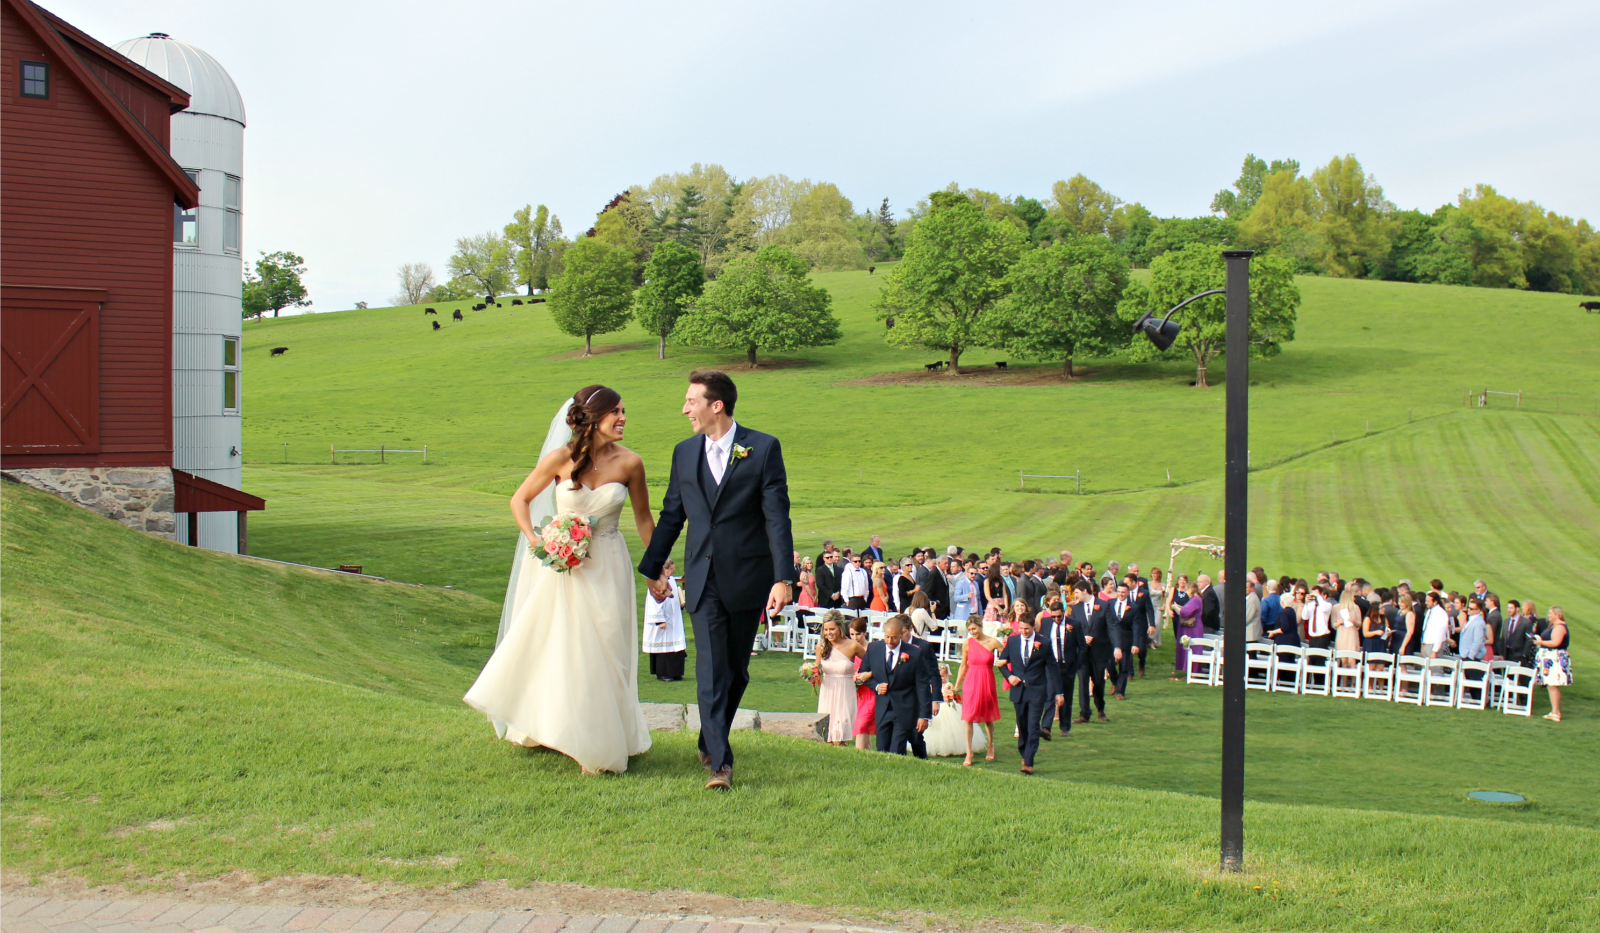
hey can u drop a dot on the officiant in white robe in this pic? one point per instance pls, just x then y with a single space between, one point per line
663 638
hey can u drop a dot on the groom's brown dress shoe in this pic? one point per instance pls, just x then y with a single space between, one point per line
705 760
721 779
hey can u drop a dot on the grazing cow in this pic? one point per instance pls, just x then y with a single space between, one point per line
933 367
888 323
497 304
1000 365
1590 305
516 301
536 301
435 325
430 311
457 315
279 351
871 269
477 307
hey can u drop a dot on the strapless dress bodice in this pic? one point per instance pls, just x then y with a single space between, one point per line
602 504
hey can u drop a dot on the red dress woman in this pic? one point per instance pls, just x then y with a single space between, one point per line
808 586
866 699
980 701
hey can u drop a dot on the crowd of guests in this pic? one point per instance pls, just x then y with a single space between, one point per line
1036 628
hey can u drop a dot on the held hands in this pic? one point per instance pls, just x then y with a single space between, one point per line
661 587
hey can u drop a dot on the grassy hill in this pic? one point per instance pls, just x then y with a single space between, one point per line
170 710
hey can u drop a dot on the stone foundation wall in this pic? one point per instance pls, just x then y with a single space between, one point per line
140 497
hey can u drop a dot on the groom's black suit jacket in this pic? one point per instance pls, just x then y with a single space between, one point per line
739 528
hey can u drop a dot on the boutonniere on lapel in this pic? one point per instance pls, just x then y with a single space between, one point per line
904 656
739 453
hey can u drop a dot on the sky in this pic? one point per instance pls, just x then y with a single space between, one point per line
378 133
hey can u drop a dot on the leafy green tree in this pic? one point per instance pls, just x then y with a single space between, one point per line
761 302
1131 226
953 273
1284 219
275 285
1174 276
1030 212
1352 218
819 228
532 234
673 279
486 258
1081 207
1063 302
457 289
1237 204
594 293
1175 233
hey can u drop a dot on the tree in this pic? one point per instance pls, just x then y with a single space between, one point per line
1131 226
761 302
275 285
1237 204
1063 302
953 272
1174 276
594 293
1081 207
1352 218
532 234
819 228
673 279
1176 233
416 282
486 259
1282 219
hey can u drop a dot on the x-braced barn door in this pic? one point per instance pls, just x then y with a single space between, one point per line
50 371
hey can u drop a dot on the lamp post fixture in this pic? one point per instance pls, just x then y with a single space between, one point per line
1236 484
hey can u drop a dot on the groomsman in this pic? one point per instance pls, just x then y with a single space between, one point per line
1144 615
1104 655
1082 616
828 581
901 682
1121 617
1029 681
1065 639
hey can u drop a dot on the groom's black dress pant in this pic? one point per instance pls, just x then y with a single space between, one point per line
722 642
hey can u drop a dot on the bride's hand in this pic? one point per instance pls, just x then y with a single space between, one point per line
660 589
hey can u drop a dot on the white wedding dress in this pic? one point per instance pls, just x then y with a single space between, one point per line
565 674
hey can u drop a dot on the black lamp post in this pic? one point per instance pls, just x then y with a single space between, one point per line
1236 484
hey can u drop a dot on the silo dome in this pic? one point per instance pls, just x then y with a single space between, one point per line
210 88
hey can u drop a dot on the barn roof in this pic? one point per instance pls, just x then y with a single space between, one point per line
64 40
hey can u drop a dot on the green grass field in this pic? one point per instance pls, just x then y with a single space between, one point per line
276 721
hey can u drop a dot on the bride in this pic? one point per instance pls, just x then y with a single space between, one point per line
564 673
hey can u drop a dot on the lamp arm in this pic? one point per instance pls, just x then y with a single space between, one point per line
1213 291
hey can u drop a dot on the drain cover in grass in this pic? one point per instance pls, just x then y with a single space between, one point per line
1497 796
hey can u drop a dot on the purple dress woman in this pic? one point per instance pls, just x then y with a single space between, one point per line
1189 624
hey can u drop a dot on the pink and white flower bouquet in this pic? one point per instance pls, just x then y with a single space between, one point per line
564 542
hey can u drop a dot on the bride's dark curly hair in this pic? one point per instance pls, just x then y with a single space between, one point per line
589 406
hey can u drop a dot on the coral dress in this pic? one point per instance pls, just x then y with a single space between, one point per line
979 700
866 708
808 590
880 598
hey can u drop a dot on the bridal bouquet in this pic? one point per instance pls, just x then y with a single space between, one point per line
564 542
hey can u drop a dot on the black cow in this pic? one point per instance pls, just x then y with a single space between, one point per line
871 269
477 307
1590 305
536 301
279 351
435 325
933 367
457 315
516 301
497 304
429 311
1000 365
888 323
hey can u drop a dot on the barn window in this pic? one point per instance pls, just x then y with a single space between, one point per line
35 79
230 222
185 221
230 374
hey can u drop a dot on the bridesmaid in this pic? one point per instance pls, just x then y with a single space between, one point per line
837 656
866 700
808 585
980 701
880 590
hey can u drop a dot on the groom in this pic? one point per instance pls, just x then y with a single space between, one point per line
728 482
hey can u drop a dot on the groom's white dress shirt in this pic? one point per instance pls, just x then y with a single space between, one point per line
720 452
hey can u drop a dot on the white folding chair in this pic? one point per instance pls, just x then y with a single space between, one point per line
1472 685
1203 661
1258 667
779 631
1347 680
1516 697
1497 680
810 640
1439 681
1378 683
1316 678
1408 679
1288 668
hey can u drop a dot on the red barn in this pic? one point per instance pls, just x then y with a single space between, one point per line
88 197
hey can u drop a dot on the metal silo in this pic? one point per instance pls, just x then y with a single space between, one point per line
207 383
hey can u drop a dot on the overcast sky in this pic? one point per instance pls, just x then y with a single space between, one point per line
380 132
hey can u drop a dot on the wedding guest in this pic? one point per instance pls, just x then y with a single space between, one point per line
1407 637
1158 600
996 595
1191 625
875 549
1103 653
880 590
855 587
921 615
836 655
1210 605
905 586
1552 665
1252 610
1473 640
866 721
1144 616
1122 620
1177 595
1066 646
979 699
827 548
663 637
1493 618
901 683
1347 619
1518 646
1318 616
919 626
808 584
1375 634
1028 680
963 592
828 581
1271 604
1435 626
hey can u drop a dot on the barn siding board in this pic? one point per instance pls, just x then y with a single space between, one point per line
85 206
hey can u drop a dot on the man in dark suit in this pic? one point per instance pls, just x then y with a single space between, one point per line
729 484
1065 639
901 682
1029 681
929 659
1210 605
828 582
1119 624
1102 652
938 588
875 549
1144 617
1517 646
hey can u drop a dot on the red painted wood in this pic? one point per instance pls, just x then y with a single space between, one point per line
197 494
50 371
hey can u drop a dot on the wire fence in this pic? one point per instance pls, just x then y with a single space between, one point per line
312 452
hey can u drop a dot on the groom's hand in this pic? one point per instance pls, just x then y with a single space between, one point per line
778 598
660 589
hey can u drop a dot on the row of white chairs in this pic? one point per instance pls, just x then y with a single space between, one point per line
1413 679
791 631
